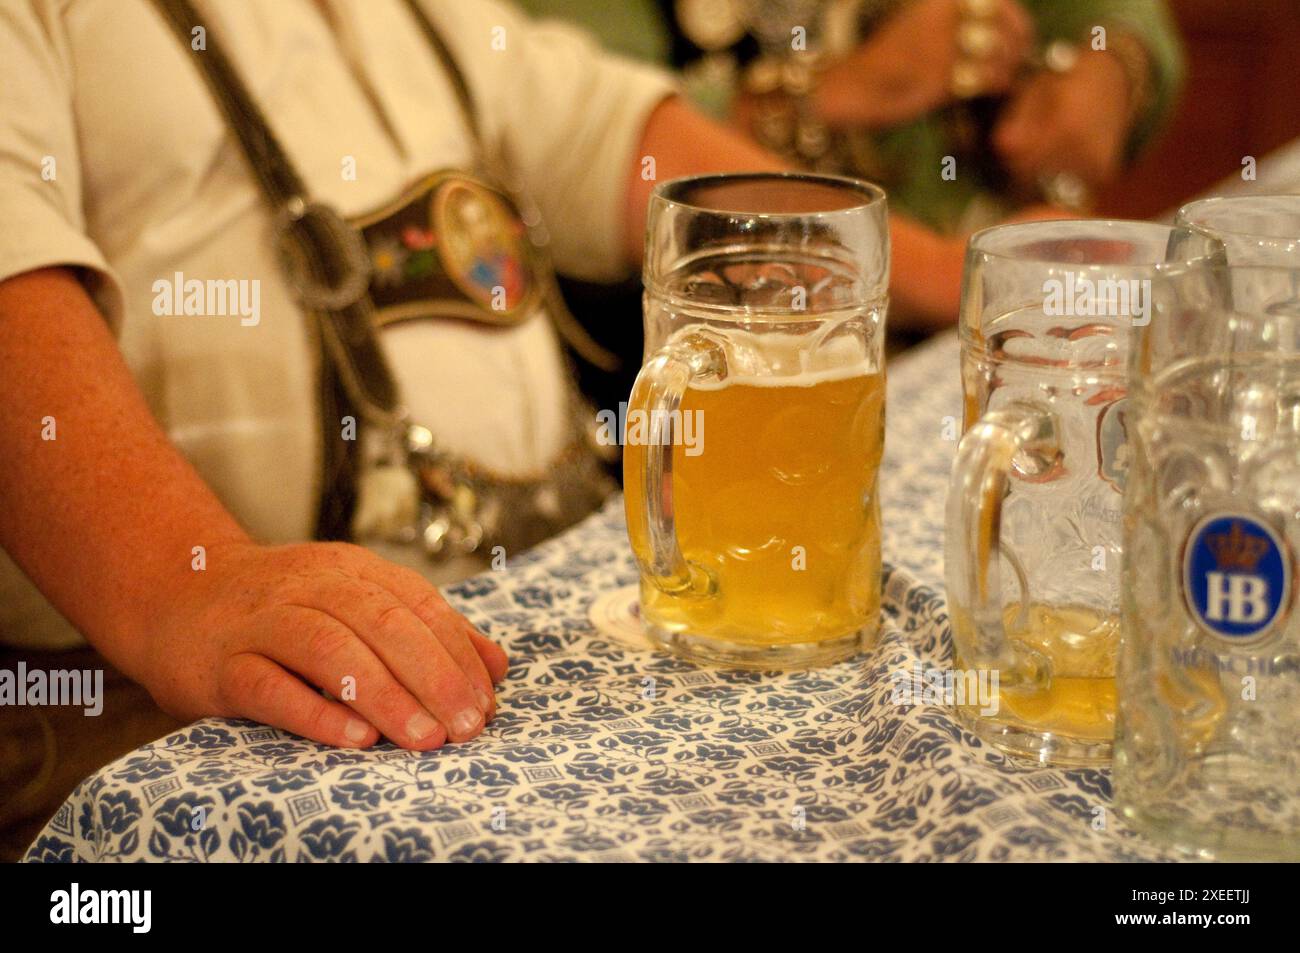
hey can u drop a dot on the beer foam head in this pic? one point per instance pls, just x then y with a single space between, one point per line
780 359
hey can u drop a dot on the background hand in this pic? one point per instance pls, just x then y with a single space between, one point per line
905 68
1075 122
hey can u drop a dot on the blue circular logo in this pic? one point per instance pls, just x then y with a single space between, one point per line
1236 576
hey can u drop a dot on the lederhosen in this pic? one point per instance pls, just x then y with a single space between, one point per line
452 246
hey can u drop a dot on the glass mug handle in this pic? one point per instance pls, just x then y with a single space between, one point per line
658 393
973 540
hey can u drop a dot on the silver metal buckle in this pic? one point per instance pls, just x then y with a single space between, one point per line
313 294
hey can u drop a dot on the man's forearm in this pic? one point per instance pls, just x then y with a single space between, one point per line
683 141
104 516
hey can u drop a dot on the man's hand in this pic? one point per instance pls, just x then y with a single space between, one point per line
904 70
1076 122
261 628
103 520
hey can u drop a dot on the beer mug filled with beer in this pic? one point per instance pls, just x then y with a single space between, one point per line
1037 486
756 426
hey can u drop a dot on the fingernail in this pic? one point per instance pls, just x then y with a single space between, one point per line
420 726
484 703
356 730
467 722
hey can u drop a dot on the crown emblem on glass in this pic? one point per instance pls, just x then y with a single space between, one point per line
1237 549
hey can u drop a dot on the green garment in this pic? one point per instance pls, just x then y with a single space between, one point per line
632 28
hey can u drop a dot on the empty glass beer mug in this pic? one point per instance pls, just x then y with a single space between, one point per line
1208 739
1261 240
1255 229
1037 484
755 429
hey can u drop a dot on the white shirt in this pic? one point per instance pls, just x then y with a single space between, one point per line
149 182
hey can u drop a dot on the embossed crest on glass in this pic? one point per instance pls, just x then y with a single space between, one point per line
756 426
1208 740
1033 537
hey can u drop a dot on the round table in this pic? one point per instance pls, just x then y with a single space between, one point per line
604 750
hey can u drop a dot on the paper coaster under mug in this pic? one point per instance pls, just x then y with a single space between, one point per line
617 615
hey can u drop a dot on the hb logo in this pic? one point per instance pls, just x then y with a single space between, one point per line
1236 576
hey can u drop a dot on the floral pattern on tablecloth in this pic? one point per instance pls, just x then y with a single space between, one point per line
604 752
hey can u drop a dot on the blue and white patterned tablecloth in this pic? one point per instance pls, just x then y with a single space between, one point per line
605 751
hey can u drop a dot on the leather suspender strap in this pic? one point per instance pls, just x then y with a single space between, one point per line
328 264
275 175
451 68
565 323
325 259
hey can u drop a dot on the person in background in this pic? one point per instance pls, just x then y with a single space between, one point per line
1036 100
